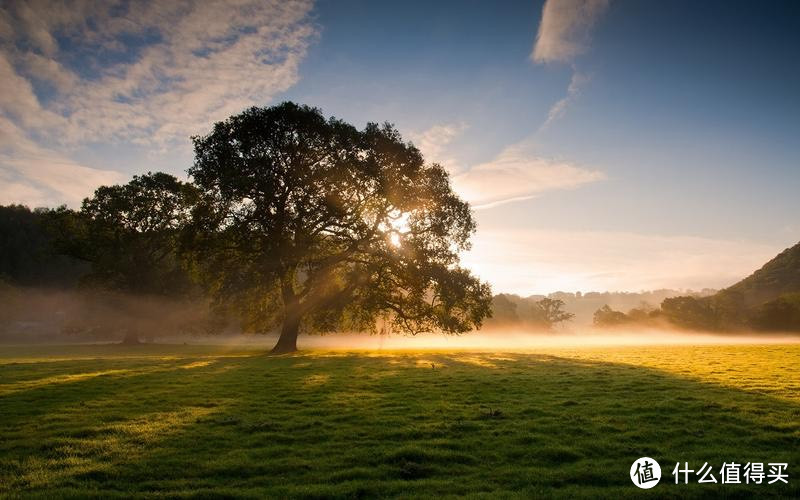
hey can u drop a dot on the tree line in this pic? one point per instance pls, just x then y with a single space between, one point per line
724 312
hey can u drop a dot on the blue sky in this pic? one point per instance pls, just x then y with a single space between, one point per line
619 145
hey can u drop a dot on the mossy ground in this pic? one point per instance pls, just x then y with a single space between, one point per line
205 421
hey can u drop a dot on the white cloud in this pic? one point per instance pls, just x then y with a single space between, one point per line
558 109
19 102
564 33
434 142
541 261
48 70
148 73
565 29
517 173
186 64
36 176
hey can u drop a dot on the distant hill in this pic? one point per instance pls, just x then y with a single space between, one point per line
777 277
767 300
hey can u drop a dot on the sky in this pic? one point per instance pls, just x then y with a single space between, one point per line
617 145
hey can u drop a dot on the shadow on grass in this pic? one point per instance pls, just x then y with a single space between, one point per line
408 424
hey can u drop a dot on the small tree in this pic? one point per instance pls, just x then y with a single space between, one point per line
130 235
317 226
504 310
606 317
549 312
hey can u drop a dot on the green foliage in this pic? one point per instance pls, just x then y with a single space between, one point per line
131 235
337 226
690 312
781 314
29 255
730 308
504 311
644 315
607 317
548 312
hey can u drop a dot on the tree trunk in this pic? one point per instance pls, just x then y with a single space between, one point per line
287 342
131 338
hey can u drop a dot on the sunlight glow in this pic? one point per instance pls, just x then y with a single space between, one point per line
396 226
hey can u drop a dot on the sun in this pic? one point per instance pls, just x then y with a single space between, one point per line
396 227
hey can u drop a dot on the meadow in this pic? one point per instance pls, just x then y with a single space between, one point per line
110 421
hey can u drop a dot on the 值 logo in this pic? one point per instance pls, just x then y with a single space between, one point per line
645 473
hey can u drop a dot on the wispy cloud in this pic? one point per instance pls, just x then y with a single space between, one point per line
558 109
434 143
565 29
153 72
149 73
564 34
541 261
518 173
36 176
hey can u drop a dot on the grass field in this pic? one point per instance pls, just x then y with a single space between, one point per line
114 421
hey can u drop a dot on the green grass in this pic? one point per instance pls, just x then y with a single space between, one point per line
200 421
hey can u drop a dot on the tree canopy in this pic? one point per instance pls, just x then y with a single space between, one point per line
131 234
316 225
607 317
29 253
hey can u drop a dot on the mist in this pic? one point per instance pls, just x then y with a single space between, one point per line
45 315
518 340
529 340
40 315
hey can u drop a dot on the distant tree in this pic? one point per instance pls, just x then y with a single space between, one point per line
781 314
731 309
690 312
639 315
607 317
504 310
548 312
318 226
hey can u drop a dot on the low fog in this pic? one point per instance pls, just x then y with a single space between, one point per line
513 340
60 317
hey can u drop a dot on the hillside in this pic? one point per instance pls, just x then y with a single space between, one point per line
779 276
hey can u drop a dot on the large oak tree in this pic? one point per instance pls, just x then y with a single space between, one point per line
317 226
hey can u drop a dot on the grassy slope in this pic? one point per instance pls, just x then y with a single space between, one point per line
187 420
779 276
